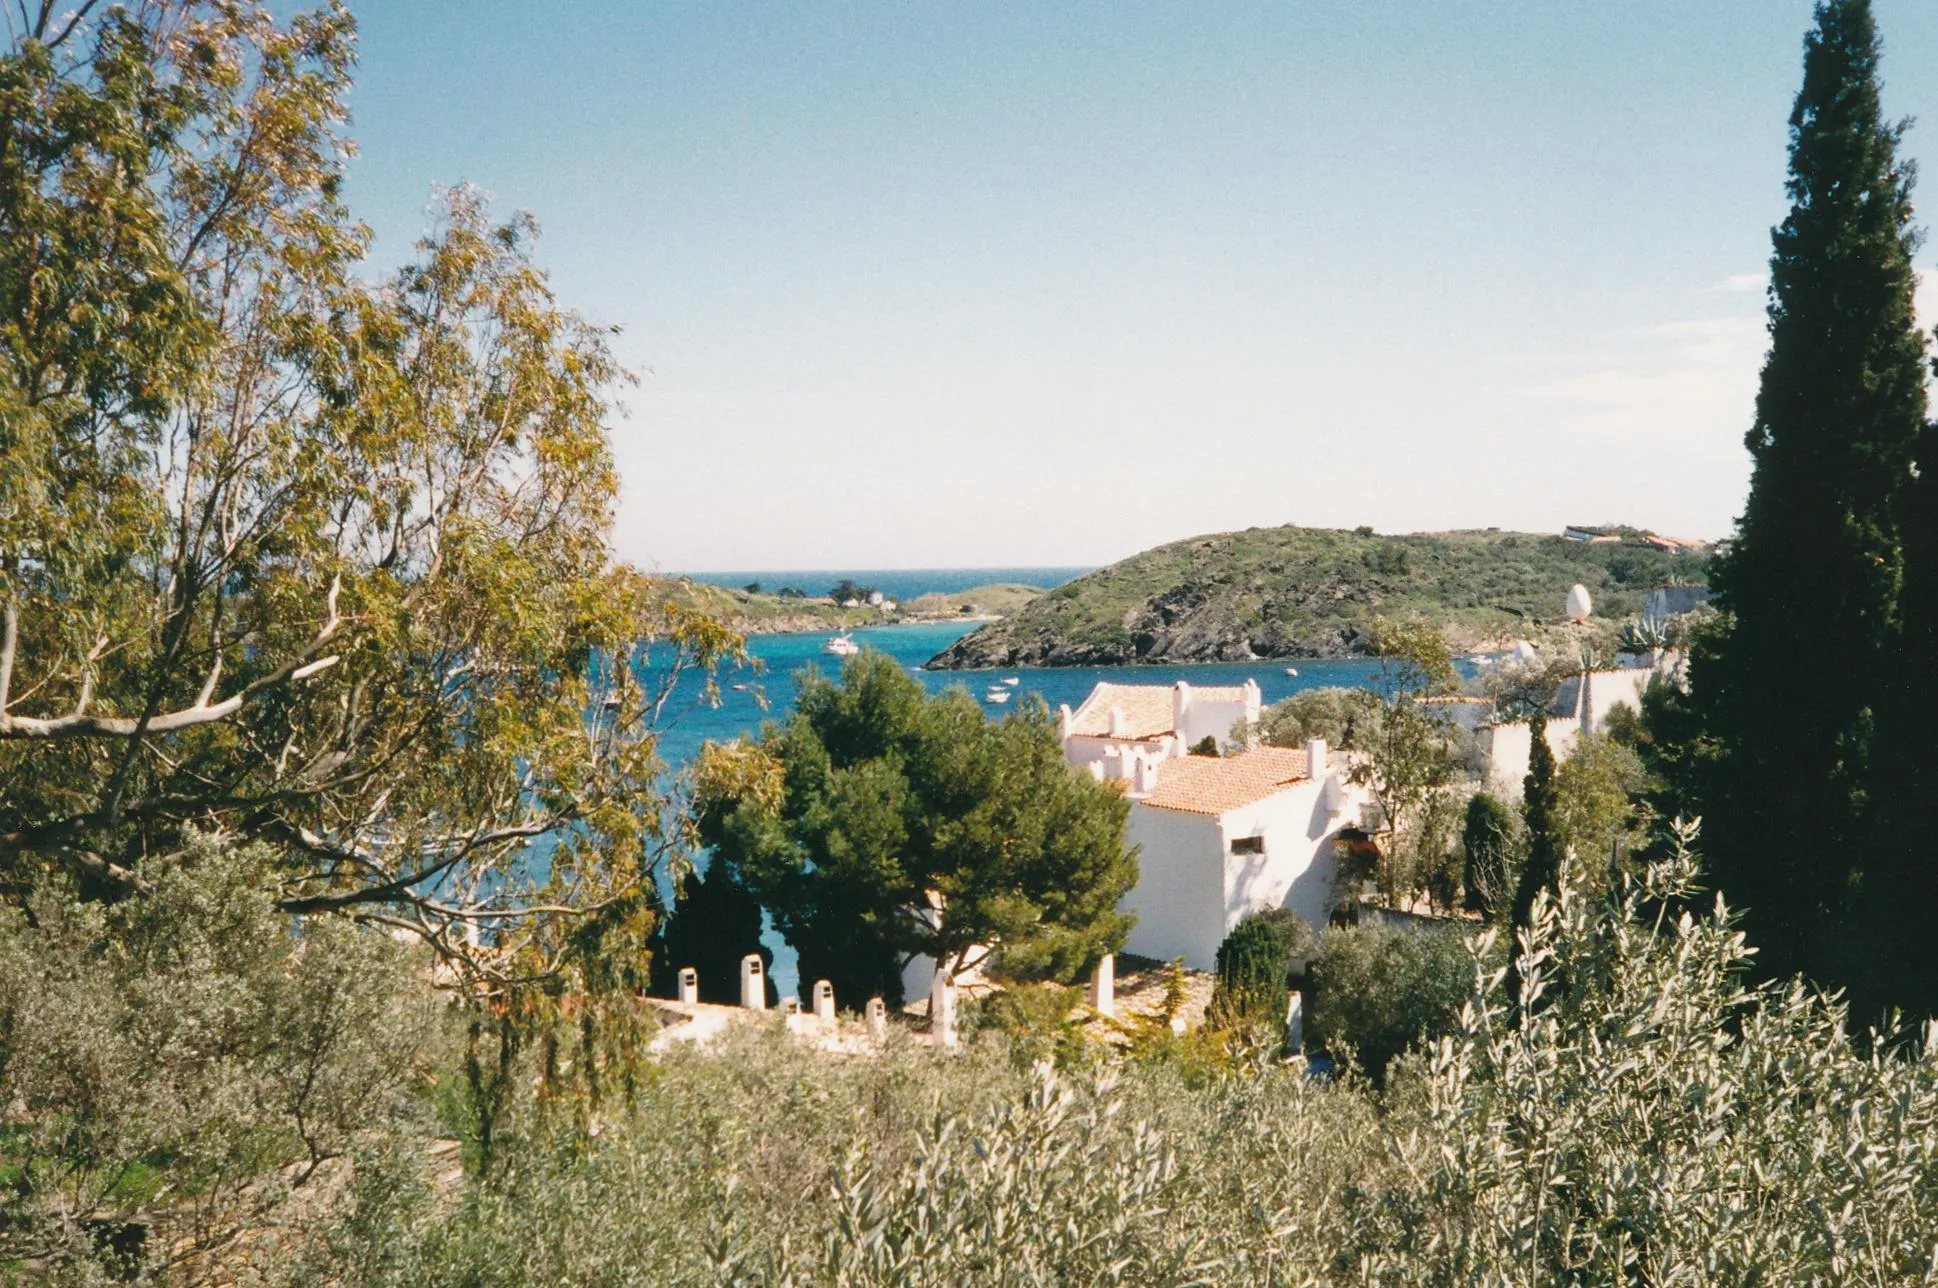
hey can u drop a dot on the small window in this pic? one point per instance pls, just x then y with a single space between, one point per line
1248 845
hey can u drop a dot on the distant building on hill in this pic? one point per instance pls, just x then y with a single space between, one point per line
1220 836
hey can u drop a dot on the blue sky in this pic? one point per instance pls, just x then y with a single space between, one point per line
915 285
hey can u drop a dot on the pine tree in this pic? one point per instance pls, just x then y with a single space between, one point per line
1789 688
714 923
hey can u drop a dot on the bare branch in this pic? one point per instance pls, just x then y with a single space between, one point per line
81 725
9 637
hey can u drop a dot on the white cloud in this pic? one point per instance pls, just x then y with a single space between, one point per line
1744 283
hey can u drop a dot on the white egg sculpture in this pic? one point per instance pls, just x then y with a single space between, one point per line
1579 604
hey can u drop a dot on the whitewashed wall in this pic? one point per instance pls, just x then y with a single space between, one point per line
1179 898
1191 889
1298 869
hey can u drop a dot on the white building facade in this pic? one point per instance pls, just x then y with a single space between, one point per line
1121 724
1219 837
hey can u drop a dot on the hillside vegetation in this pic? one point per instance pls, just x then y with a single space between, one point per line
758 613
1312 592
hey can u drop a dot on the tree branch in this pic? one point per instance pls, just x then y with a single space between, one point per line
80 725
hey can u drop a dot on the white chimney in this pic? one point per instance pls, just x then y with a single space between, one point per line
1103 986
942 1010
1315 758
877 1014
1254 701
753 984
1145 780
824 1001
1180 704
1065 718
689 986
1116 722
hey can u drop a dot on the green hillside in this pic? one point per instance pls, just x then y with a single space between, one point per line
1310 592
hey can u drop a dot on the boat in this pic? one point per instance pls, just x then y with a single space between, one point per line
842 645
997 693
1292 671
1013 681
742 688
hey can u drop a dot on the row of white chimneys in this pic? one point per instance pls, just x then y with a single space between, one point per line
1101 995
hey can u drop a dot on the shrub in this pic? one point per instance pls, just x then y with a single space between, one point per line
1250 995
178 1064
1491 843
1378 990
1038 1022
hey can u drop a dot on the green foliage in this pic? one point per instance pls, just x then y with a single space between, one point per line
845 590
1656 1122
1316 713
714 923
1411 756
1598 813
1037 1021
186 1062
1541 873
1205 746
888 800
1787 768
1378 990
290 549
1250 995
1312 592
1491 845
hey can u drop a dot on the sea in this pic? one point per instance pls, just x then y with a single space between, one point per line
763 689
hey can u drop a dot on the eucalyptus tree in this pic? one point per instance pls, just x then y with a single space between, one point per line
290 555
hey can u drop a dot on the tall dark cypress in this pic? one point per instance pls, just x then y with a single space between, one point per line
1790 689
1542 871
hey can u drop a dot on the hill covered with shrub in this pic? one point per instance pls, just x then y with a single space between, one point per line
1314 592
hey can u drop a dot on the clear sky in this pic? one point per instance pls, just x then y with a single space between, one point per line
917 285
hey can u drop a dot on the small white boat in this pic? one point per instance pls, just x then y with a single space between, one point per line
742 688
1292 671
997 693
842 645
1013 681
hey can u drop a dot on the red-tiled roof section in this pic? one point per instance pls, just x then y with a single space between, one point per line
1146 708
1208 785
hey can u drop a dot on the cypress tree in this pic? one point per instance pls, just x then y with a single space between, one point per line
1540 806
1789 687
1489 841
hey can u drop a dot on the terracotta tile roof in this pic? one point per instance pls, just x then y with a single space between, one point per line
1146 707
1210 785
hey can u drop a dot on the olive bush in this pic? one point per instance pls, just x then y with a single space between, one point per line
1636 1114
1640 1114
178 1065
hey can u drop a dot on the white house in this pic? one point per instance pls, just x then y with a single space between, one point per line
1225 836
1582 702
1124 723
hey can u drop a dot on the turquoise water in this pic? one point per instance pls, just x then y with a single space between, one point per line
896 583
779 657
